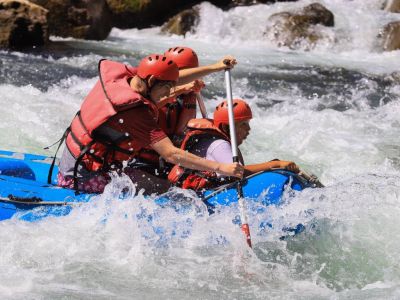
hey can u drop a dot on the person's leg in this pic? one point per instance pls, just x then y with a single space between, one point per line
93 184
149 182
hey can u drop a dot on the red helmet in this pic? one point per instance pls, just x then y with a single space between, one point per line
241 112
161 67
184 57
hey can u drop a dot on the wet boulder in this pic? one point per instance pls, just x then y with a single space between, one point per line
392 6
84 19
184 22
390 36
297 29
23 24
318 14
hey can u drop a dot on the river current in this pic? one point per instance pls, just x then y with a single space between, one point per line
335 110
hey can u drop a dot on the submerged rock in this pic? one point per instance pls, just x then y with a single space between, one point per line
85 19
390 36
294 29
22 24
184 22
393 78
392 6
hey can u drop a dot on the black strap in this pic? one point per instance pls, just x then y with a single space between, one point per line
102 82
81 147
170 108
190 106
77 162
60 141
82 123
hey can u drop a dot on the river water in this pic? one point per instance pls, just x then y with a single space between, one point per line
335 110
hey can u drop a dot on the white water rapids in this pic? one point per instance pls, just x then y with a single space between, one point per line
334 110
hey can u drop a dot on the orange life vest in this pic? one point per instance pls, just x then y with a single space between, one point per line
177 112
88 138
172 119
197 180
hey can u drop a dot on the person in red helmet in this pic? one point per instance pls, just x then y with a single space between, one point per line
118 121
188 63
178 109
184 57
210 139
175 111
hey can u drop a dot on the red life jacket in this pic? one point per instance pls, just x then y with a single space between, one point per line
172 119
173 116
88 138
190 179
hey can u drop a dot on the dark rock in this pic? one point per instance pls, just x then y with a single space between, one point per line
392 6
22 24
85 19
100 19
234 3
294 29
390 36
316 13
146 13
184 22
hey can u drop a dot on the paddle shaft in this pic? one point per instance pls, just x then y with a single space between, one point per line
202 106
232 131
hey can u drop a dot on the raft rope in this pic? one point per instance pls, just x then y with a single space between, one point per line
34 201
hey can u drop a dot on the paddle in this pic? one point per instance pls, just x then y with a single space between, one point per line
235 157
202 106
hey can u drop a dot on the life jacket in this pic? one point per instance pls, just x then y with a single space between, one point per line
173 116
88 138
197 180
172 119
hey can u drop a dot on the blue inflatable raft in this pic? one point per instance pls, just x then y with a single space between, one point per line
23 187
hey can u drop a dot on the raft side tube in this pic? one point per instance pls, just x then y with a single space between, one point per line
267 186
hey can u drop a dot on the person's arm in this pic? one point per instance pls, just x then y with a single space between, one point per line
193 86
175 155
188 75
221 151
274 164
187 113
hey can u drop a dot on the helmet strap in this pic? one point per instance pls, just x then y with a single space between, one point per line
148 87
224 128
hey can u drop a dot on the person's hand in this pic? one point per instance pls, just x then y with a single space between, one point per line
228 62
234 169
289 165
195 86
